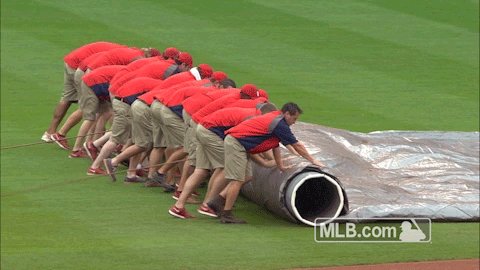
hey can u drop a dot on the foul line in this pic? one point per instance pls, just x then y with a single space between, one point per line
43 142
13 193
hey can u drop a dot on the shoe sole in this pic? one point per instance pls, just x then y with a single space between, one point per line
207 213
176 215
88 152
107 166
47 140
61 146
94 174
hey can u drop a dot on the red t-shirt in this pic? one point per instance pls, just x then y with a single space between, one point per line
204 83
76 56
101 75
130 71
136 86
178 96
247 103
150 96
84 64
194 103
178 78
228 117
262 133
119 56
215 105
157 70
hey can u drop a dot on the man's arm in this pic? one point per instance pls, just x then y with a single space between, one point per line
302 151
292 150
257 158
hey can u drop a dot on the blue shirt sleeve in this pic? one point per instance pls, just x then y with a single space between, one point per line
284 133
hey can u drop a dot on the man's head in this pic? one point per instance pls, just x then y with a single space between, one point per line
217 77
184 61
171 53
291 112
205 71
263 93
249 91
266 107
227 83
150 52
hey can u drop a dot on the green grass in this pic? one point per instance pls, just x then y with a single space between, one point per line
356 65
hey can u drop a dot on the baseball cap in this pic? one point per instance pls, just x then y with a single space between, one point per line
186 58
206 71
262 93
154 52
219 76
171 52
250 89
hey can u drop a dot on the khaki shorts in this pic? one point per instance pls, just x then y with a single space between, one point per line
78 77
237 163
70 89
157 122
89 103
174 128
210 149
142 125
190 141
122 122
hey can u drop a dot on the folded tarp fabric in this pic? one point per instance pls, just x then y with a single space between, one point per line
432 174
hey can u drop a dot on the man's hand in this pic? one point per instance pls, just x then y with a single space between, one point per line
284 168
269 164
318 163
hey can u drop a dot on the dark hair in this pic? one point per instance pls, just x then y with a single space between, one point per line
225 83
292 108
267 107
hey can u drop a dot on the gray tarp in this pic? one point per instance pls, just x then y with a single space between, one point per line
385 173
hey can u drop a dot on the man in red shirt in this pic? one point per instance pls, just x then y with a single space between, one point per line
247 92
94 97
198 73
173 97
117 56
175 129
210 153
122 56
257 135
70 88
141 112
121 126
147 68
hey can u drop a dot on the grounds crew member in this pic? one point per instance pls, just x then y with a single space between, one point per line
257 135
70 87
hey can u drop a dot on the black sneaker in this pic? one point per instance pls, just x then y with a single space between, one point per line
110 168
217 204
135 179
169 188
158 180
228 218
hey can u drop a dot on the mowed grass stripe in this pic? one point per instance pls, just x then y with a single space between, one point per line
97 224
366 18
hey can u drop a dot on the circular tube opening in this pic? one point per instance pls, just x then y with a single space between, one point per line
313 195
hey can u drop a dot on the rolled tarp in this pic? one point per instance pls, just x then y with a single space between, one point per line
299 195
433 174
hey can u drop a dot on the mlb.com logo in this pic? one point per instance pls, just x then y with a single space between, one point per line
373 230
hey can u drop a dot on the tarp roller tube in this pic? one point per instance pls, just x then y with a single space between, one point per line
301 195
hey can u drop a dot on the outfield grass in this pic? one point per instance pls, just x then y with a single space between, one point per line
356 65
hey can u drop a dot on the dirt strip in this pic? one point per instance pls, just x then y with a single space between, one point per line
469 264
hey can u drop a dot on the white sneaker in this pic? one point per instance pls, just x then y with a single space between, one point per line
46 137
